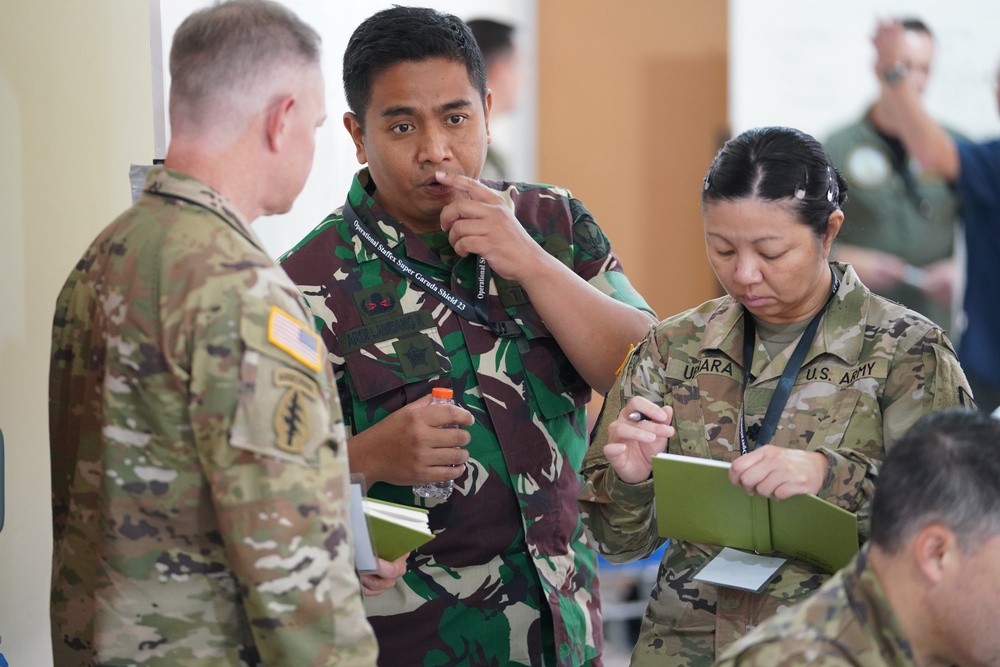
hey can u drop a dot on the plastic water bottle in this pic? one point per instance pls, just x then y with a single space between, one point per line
440 490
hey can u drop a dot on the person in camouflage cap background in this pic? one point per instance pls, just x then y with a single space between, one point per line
771 210
925 590
199 466
510 578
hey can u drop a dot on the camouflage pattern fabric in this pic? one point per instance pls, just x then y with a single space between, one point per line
847 622
872 371
916 223
200 475
511 577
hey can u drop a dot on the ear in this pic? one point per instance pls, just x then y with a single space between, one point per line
487 105
277 122
936 552
357 136
833 224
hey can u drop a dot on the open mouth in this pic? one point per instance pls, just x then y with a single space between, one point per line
433 187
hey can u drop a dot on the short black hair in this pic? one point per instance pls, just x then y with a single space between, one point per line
945 468
778 164
915 25
495 38
401 34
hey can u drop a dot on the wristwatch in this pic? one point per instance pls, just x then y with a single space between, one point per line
895 74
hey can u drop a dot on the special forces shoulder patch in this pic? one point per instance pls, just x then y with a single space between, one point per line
289 334
292 427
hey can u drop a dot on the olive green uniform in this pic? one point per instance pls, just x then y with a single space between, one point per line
895 208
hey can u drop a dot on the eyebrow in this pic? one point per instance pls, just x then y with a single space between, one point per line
402 110
760 239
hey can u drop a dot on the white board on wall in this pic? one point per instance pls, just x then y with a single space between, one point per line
335 161
809 65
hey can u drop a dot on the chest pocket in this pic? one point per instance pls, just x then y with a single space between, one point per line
397 371
553 382
283 408
841 406
830 406
706 410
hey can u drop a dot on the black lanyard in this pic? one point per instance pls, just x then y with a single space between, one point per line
479 312
784 388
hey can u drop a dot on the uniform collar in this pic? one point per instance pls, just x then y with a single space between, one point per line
164 182
841 331
399 238
868 602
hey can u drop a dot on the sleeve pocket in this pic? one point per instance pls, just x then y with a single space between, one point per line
283 405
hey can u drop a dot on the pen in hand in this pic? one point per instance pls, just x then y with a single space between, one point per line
638 417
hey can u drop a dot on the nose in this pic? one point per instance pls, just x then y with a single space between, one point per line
747 269
435 146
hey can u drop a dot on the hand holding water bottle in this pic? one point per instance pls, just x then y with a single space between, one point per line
409 446
439 489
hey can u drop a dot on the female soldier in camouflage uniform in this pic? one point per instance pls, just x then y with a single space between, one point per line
771 210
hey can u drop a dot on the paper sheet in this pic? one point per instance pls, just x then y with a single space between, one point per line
740 569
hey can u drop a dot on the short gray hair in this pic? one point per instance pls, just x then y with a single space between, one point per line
230 51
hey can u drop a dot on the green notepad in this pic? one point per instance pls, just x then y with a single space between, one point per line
395 529
696 502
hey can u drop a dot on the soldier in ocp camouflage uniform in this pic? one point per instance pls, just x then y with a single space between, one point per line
199 465
872 369
510 578
926 588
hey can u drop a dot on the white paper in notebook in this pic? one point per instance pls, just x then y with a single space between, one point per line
740 569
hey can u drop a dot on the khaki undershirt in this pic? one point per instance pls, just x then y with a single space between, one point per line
776 337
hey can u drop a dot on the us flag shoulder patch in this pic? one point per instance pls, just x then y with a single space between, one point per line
289 334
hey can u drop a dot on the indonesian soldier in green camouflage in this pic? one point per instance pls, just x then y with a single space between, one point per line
199 466
926 589
872 368
405 304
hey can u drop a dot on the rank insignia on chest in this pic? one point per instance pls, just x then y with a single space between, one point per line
377 303
292 427
289 334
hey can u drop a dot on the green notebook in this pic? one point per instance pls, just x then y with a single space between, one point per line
696 502
395 529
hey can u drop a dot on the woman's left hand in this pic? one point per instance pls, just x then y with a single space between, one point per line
776 472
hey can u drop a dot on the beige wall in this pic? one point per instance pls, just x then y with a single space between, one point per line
632 104
75 100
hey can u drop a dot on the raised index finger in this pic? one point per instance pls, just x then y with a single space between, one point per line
470 186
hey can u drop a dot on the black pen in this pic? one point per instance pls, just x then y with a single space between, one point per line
639 417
